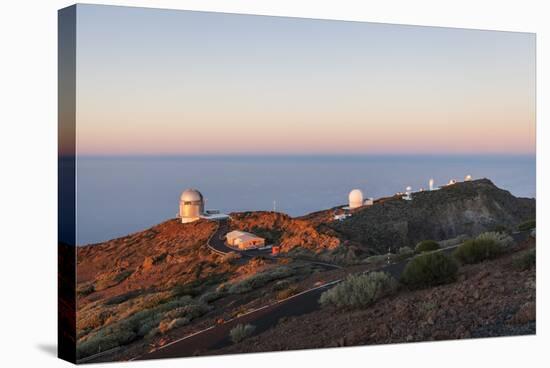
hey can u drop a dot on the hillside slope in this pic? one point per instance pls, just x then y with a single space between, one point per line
467 208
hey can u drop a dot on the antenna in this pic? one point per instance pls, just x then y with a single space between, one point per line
274 206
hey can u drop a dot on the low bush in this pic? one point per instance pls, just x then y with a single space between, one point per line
104 340
167 325
343 255
287 293
503 240
403 253
118 299
359 290
260 279
429 269
144 323
426 246
486 246
85 289
526 260
300 252
198 286
241 332
271 236
453 241
211 296
379 258
231 257
281 285
527 225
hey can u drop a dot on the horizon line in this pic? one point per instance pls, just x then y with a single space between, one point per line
292 154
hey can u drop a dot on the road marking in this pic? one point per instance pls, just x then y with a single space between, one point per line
275 303
241 316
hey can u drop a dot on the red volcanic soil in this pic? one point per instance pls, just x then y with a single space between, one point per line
287 232
159 257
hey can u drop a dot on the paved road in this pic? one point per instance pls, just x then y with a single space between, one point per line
264 318
217 240
218 336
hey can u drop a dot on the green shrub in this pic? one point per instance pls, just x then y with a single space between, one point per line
359 290
403 253
527 225
241 332
503 240
453 241
198 286
144 323
271 236
343 255
104 340
260 279
379 258
426 246
486 246
429 269
526 260
300 252
118 299
211 296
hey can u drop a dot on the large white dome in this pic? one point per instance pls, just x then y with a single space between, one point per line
355 198
191 195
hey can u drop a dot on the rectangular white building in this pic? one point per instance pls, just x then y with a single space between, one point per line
243 240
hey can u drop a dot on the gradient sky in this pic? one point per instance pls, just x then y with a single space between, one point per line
155 81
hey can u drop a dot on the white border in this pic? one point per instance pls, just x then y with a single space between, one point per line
28 153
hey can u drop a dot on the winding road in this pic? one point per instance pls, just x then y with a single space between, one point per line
263 318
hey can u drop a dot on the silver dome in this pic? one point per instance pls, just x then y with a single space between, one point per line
191 195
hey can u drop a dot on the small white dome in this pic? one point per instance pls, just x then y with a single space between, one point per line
191 195
355 198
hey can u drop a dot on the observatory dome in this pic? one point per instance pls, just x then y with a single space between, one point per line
191 195
355 198
191 205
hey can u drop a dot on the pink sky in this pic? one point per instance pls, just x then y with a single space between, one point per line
203 83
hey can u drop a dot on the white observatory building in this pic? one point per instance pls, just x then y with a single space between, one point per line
191 205
408 194
355 198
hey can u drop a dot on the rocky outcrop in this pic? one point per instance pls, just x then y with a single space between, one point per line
464 208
